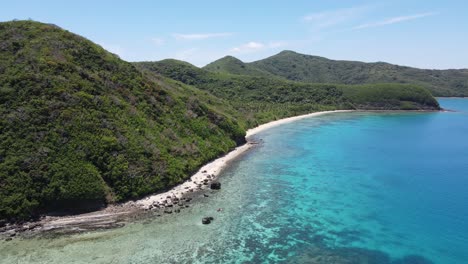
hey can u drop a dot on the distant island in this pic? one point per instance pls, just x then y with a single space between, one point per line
80 128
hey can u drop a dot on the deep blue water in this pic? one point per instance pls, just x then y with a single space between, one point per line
339 188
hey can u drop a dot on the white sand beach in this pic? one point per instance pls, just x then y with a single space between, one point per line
271 124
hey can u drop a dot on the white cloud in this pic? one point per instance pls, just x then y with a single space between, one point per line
200 36
393 20
334 17
249 47
254 46
158 41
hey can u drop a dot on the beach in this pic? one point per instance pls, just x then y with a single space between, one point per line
253 131
165 202
211 170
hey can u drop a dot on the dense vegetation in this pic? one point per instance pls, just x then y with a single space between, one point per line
80 127
389 97
257 99
262 99
306 68
233 65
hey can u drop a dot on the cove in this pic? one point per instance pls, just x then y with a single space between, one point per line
339 188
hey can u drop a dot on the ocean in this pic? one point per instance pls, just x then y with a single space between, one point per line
357 187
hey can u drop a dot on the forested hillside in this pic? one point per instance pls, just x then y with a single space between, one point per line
79 127
233 65
262 99
313 69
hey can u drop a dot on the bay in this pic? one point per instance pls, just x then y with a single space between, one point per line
357 187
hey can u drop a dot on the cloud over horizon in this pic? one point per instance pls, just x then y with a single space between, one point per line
254 46
248 47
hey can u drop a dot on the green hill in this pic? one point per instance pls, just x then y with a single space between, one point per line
79 127
261 99
233 65
306 68
257 100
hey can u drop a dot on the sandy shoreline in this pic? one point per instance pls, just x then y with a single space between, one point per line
260 128
211 170
165 202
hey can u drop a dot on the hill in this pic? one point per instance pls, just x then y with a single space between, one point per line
233 65
306 68
262 99
80 128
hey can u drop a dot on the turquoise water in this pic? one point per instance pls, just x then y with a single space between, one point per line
339 188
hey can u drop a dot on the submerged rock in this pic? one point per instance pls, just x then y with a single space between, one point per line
207 220
215 185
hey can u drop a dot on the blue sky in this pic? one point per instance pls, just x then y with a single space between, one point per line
425 34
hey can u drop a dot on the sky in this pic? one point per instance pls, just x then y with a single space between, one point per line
425 34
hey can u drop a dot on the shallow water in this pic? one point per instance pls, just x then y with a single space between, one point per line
339 188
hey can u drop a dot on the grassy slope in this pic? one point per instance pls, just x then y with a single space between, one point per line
80 127
313 69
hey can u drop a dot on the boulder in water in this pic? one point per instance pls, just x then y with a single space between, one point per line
207 220
215 185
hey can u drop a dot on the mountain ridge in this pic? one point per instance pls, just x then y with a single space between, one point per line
233 65
265 99
315 69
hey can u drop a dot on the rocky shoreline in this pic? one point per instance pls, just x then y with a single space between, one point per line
113 216
170 202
